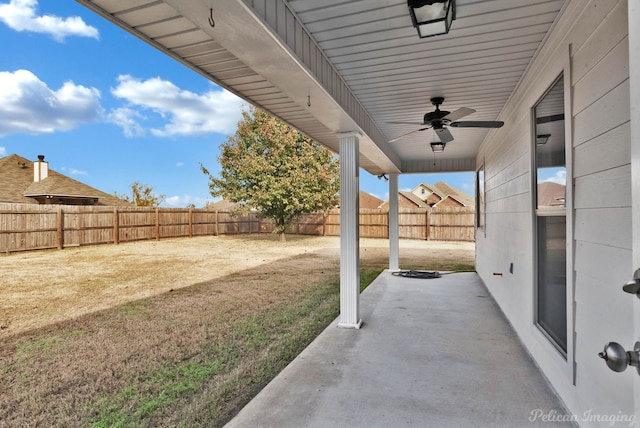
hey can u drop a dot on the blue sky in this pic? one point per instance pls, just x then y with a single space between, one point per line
107 109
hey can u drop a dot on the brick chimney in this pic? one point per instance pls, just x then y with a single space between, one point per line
40 169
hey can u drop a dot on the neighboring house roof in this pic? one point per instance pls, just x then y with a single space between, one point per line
443 190
410 198
61 185
413 198
551 194
449 200
368 201
16 176
429 187
222 205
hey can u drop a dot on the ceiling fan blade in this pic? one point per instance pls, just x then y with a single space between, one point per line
444 135
407 123
406 135
477 124
459 114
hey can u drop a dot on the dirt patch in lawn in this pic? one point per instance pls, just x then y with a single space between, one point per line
176 332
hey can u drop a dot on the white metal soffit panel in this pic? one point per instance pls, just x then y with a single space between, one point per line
394 74
360 62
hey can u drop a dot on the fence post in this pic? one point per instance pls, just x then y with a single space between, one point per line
324 224
116 226
216 219
157 224
426 220
60 237
80 227
389 223
190 223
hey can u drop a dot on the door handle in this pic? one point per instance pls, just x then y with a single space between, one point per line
618 359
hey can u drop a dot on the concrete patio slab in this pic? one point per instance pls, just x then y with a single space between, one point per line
431 353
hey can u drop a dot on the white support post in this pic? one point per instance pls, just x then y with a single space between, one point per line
394 228
349 231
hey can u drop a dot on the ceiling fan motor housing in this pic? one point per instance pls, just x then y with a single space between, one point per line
435 116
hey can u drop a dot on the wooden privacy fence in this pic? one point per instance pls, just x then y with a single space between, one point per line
30 227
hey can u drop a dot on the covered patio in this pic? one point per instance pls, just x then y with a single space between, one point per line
432 352
359 79
560 75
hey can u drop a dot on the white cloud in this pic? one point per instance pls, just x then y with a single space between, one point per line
20 15
3 151
560 178
185 112
183 201
126 119
28 105
73 171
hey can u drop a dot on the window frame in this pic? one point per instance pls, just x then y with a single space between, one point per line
562 68
481 200
545 212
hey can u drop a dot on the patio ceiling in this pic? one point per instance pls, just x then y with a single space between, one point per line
334 66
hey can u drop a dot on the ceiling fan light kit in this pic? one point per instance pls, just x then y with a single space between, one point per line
432 17
438 147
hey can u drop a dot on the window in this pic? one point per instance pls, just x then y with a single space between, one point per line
550 215
480 206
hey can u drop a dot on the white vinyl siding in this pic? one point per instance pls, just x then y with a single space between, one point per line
590 42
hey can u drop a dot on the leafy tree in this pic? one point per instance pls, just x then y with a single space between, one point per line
142 196
276 170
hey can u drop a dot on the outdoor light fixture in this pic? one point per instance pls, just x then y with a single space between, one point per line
432 17
383 177
438 147
541 139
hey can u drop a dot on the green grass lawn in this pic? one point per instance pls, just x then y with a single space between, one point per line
192 356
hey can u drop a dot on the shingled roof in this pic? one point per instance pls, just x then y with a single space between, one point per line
413 198
368 201
443 190
16 176
551 194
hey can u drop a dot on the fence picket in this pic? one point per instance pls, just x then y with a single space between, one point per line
28 227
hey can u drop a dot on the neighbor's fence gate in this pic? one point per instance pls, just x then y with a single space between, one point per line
30 227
